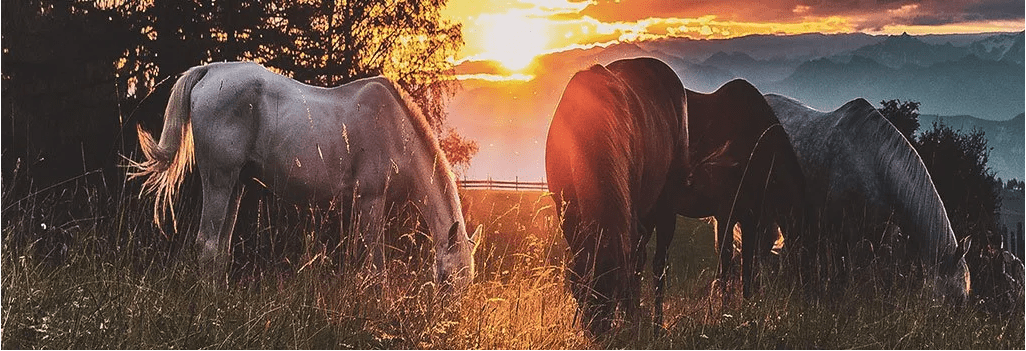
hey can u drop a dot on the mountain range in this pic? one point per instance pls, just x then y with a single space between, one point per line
979 75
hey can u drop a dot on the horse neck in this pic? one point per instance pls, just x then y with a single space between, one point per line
920 208
436 194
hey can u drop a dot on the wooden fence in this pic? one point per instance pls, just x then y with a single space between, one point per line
515 185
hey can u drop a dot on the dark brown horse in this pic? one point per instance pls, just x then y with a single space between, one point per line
615 139
741 169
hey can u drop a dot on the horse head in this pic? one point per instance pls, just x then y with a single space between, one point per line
454 261
952 276
597 282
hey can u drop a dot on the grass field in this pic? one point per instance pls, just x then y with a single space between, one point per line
113 288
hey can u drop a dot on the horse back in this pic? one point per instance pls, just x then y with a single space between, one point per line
725 127
661 124
306 142
589 145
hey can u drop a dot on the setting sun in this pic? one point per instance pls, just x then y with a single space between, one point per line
513 39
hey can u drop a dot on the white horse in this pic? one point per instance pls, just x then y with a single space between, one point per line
361 142
853 156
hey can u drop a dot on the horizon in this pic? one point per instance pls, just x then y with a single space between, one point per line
507 113
515 33
496 71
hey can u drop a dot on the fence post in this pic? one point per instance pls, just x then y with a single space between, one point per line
1019 241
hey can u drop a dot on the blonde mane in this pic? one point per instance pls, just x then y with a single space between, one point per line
423 128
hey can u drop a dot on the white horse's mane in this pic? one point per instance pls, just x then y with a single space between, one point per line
423 128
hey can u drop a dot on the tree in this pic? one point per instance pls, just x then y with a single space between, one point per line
78 72
458 150
903 115
1014 185
958 165
332 42
61 106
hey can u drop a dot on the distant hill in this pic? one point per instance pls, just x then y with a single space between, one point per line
1006 138
800 47
991 89
510 119
759 72
956 39
1002 47
901 50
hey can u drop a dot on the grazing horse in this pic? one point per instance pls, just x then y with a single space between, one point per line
857 163
360 142
741 170
613 142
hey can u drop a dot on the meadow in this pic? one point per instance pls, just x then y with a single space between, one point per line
109 282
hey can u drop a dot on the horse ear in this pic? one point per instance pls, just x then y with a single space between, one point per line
453 237
476 238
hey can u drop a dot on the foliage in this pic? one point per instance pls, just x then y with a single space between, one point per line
1015 185
957 163
958 166
333 42
903 115
79 74
458 150
61 110
971 194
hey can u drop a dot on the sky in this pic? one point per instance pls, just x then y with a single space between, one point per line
513 32
507 99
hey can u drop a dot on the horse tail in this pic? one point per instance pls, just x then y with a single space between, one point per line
168 161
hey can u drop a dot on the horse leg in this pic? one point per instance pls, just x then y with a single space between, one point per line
222 192
644 234
369 219
801 244
665 227
725 239
750 237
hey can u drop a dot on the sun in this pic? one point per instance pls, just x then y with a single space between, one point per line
513 39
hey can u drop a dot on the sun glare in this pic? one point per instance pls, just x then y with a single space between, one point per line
513 39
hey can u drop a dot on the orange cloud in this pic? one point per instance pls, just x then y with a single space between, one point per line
569 24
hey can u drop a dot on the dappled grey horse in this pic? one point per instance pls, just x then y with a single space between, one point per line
360 142
854 160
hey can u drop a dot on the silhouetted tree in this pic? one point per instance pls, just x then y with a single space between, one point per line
76 73
958 166
1014 185
903 115
61 109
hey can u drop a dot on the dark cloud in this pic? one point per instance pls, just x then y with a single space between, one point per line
935 12
634 10
877 12
935 20
998 10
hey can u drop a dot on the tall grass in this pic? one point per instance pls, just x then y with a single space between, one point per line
115 282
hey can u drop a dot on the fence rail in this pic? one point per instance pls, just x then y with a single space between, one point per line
515 185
